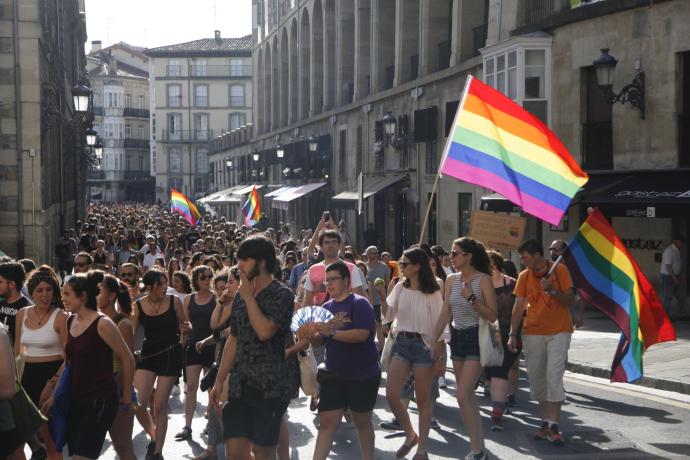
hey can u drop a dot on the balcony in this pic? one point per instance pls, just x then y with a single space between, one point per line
95 175
479 34
537 10
220 71
135 113
136 143
113 143
195 135
597 145
98 111
138 175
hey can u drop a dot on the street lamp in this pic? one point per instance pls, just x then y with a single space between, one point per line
389 124
81 94
312 143
255 157
633 92
98 149
280 152
228 163
91 137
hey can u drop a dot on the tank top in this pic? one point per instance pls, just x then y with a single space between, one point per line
200 317
100 260
160 331
465 315
92 364
43 341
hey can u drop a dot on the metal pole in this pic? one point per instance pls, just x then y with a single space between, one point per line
18 128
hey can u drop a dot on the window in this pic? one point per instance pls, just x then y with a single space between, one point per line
342 150
521 70
237 120
431 157
128 101
201 96
597 128
141 102
141 132
236 67
174 96
128 132
141 162
174 126
237 96
174 69
360 150
200 184
175 182
464 213
202 161
112 99
199 68
431 235
174 160
128 163
201 131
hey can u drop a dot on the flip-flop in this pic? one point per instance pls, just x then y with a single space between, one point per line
406 448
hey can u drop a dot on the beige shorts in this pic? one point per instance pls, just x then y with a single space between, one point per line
546 357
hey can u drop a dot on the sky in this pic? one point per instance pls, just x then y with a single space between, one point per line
152 23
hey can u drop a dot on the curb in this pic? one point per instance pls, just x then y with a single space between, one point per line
650 382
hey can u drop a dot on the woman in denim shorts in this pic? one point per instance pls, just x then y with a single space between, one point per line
414 306
469 295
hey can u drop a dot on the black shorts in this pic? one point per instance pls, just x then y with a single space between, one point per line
501 372
464 344
35 377
205 359
87 424
377 313
168 364
9 442
358 395
255 419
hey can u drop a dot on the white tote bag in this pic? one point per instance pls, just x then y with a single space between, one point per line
307 372
387 352
490 350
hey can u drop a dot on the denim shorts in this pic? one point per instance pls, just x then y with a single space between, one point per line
413 351
464 344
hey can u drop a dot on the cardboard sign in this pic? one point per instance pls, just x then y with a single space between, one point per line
497 230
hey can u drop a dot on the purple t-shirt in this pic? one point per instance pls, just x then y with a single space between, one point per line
353 361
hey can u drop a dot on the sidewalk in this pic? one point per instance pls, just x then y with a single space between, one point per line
666 365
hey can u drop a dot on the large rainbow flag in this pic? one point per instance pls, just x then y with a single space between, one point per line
608 278
182 205
252 208
497 144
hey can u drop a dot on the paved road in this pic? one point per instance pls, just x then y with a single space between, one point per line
600 421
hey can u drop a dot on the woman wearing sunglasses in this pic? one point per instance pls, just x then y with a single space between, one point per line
414 306
198 307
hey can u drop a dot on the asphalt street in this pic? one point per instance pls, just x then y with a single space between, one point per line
600 420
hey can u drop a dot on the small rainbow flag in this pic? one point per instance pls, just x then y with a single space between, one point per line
497 144
181 205
608 277
252 208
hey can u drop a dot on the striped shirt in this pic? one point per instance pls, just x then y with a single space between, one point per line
464 314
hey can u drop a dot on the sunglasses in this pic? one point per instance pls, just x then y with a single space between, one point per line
205 276
405 264
455 253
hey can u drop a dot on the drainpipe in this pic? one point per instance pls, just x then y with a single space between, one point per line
18 129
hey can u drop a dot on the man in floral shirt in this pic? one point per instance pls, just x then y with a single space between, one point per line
254 354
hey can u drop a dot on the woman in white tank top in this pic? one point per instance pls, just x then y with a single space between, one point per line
469 295
41 335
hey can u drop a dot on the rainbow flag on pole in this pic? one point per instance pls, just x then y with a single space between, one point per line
497 144
608 277
183 206
252 208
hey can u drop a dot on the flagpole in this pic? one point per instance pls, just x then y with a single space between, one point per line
443 158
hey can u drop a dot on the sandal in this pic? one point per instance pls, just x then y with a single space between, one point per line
184 434
314 403
406 448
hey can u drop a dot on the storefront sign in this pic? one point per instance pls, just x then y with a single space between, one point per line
639 243
497 230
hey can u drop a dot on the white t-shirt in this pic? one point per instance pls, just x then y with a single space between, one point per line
671 256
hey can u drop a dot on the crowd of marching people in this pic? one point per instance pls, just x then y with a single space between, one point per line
142 305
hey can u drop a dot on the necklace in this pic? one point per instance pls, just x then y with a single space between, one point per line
40 318
157 305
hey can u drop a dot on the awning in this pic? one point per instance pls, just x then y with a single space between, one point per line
372 186
297 192
659 193
243 190
216 195
278 191
230 195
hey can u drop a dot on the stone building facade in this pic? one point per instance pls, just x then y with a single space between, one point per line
198 90
120 84
42 154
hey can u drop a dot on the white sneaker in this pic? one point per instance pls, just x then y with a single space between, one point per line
175 390
442 382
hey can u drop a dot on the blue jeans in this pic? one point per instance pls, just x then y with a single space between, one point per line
669 291
413 351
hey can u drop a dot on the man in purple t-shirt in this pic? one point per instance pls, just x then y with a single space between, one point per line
352 363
